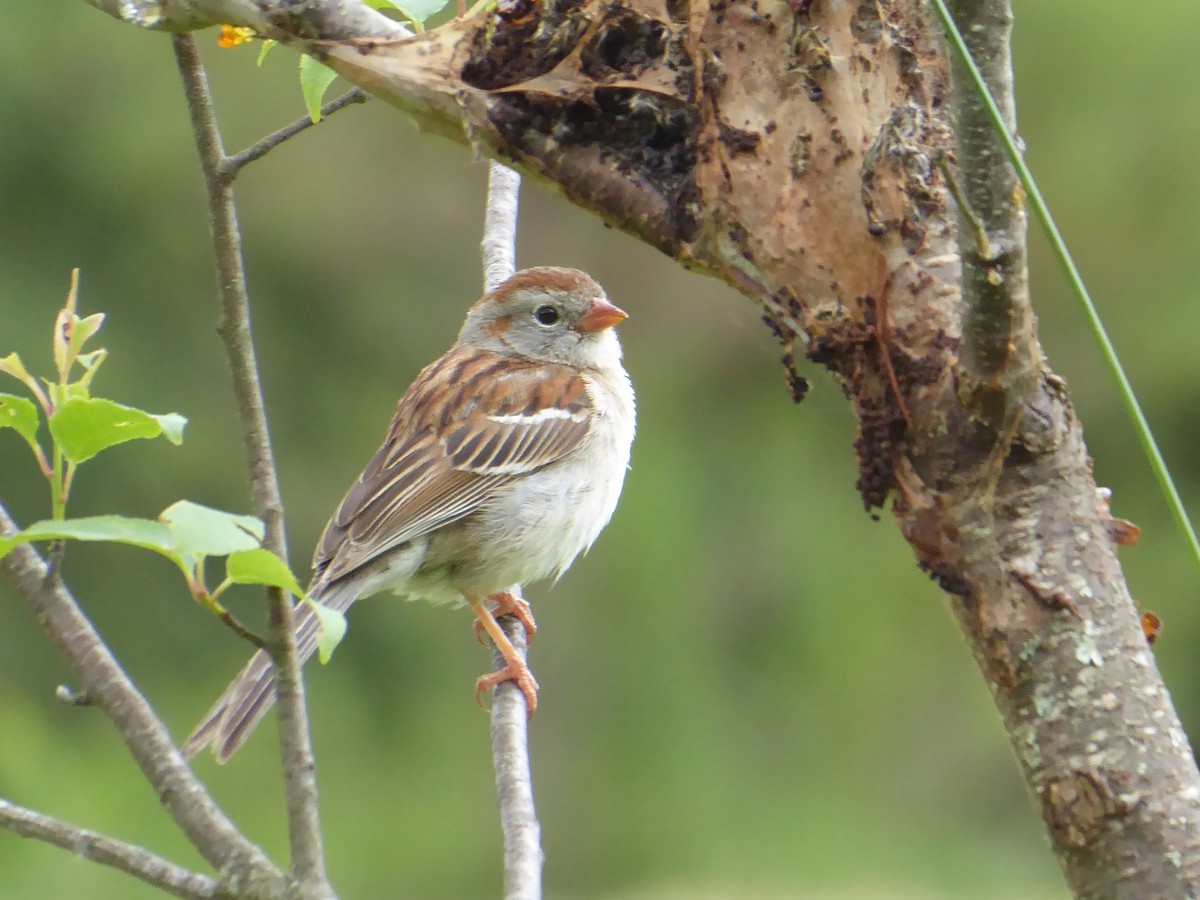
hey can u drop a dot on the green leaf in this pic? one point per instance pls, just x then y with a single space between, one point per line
333 629
83 426
203 531
71 332
20 414
172 425
417 10
266 47
261 566
13 366
315 78
81 331
90 362
145 533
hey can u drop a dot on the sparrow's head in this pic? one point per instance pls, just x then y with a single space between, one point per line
547 314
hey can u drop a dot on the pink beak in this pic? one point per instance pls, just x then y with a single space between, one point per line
599 316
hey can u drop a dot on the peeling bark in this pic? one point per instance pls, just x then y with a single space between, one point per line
792 149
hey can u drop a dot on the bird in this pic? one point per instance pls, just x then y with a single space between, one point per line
503 462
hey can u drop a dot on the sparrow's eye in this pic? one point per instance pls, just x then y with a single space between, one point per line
546 315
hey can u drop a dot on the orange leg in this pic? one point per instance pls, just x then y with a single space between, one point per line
515 670
509 605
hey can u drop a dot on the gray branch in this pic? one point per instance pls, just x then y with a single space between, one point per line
514 779
304 828
287 20
499 243
999 339
233 164
125 857
510 720
1044 602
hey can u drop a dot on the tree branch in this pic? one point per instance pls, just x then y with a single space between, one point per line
1006 515
514 779
499 245
128 858
289 21
299 767
1000 355
234 326
232 165
243 866
510 718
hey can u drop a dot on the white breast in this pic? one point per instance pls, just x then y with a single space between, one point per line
538 525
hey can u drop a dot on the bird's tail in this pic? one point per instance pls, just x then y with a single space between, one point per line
252 693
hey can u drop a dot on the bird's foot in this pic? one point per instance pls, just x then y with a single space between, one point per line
508 604
515 669
517 672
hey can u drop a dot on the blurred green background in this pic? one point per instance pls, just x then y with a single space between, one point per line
747 688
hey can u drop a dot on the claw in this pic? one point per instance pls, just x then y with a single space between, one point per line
517 672
479 632
515 669
511 605
508 605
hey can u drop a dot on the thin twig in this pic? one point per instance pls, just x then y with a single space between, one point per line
234 624
110 690
80 699
514 779
510 720
325 19
304 827
143 13
499 243
128 858
232 165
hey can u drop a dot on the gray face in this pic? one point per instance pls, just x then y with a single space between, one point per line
534 315
541 324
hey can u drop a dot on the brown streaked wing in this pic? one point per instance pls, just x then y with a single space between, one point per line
535 415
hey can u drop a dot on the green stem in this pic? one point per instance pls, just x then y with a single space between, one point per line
69 469
58 496
1124 388
43 463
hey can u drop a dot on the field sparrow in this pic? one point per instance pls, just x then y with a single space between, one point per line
503 463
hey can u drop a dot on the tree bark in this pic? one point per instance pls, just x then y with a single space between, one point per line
794 150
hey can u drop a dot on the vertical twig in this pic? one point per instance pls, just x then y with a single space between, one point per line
514 778
499 243
999 343
304 828
510 721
